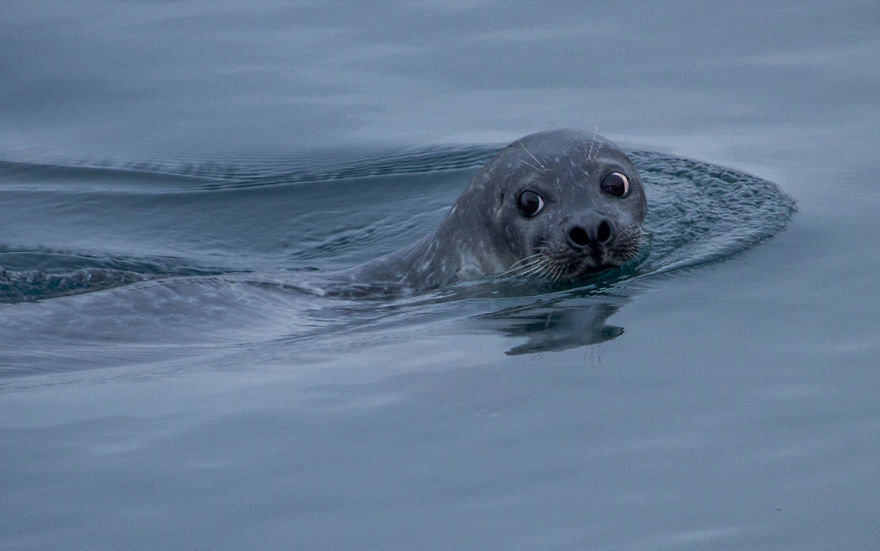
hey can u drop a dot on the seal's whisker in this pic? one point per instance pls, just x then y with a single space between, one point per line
522 264
524 271
525 259
557 275
592 142
537 269
536 264
540 164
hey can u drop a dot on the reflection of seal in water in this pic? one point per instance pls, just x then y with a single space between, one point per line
554 205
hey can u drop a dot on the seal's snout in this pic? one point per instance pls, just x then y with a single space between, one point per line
604 233
578 237
601 234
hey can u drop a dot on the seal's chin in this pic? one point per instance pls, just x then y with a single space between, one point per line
593 258
562 264
587 267
558 262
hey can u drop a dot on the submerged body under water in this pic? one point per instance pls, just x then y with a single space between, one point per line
251 261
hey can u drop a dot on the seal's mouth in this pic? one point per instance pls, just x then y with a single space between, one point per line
554 262
578 270
558 264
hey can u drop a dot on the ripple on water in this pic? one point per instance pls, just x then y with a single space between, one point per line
698 212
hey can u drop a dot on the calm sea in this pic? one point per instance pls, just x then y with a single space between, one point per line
171 171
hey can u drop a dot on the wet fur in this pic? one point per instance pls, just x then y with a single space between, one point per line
484 235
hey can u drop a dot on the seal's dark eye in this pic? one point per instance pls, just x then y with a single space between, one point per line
616 184
530 203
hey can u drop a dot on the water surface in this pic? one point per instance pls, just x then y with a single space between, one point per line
169 172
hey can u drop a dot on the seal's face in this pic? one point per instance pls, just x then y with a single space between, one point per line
566 204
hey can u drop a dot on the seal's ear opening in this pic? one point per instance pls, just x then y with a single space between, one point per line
500 206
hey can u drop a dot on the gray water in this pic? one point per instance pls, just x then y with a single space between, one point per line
170 172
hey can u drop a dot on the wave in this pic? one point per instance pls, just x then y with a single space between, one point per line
698 213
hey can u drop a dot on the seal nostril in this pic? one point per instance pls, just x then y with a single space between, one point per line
579 236
603 232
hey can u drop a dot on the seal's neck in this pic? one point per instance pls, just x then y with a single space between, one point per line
442 257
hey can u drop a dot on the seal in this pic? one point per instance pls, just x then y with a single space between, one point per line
555 206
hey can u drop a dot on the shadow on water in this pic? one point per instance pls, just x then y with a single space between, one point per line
237 233
553 326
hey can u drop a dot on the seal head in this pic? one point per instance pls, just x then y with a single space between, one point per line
555 205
